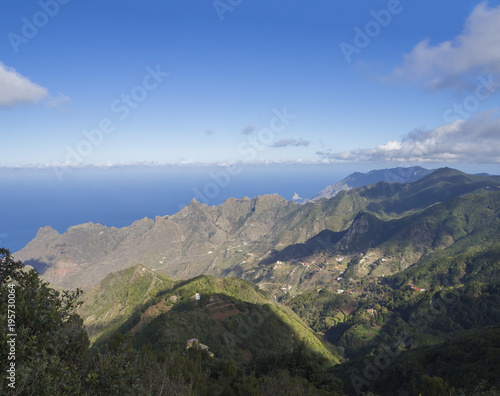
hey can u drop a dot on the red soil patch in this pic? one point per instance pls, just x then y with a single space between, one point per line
152 312
225 314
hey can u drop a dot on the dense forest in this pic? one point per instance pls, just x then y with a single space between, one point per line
53 354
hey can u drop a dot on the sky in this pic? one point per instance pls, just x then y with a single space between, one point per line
113 83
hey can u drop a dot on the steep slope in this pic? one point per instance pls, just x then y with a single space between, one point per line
405 331
233 317
451 241
464 221
385 201
358 179
469 363
111 302
234 237
198 239
450 333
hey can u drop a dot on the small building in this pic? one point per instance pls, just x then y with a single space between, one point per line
195 343
415 287
197 297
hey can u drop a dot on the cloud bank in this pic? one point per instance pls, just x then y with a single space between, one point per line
18 90
449 63
157 164
476 140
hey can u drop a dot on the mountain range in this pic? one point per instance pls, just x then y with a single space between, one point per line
384 280
244 235
358 179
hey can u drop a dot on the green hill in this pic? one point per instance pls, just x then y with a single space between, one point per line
109 304
233 317
468 364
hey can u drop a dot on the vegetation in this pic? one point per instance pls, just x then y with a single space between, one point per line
45 339
384 289
117 297
467 364
52 355
233 317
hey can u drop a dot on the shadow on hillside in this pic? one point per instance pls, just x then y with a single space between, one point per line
231 328
40 266
325 240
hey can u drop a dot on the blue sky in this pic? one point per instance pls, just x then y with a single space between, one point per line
132 81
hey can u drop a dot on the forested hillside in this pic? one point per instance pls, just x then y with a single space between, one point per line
386 288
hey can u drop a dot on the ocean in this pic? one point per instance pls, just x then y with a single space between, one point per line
33 198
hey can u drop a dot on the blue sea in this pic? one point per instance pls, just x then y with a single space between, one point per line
31 199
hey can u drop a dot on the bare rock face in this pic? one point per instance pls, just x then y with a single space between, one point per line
196 240
240 235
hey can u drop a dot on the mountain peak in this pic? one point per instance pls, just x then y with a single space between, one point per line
47 230
357 179
84 226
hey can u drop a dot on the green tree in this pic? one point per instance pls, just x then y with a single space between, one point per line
435 386
50 342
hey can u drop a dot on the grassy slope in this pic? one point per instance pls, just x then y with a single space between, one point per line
109 304
234 317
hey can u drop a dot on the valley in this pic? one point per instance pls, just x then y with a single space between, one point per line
397 270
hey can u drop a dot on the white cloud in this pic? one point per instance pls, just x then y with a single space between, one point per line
476 140
155 164
59 100
291 142
17 90
476 50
